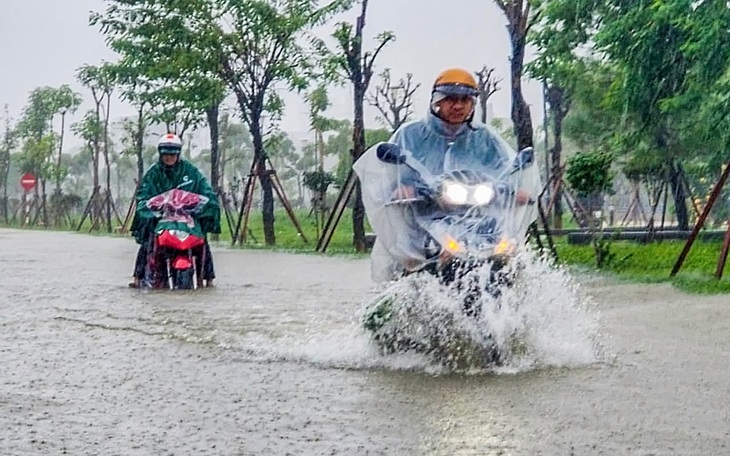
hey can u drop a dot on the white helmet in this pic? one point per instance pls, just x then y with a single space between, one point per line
169 144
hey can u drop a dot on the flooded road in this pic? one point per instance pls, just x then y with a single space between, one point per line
272 361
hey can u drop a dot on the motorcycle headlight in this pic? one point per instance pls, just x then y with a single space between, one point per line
455 193
483 194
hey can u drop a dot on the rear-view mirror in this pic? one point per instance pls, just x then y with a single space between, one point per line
524 158
391 153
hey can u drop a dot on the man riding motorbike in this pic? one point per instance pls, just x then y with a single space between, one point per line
446 140
171 172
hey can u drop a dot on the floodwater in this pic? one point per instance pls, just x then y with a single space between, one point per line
272 361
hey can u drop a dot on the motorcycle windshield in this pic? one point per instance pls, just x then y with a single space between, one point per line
467 209
176 210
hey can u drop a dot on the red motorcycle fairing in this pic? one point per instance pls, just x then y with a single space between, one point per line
178 240
182 262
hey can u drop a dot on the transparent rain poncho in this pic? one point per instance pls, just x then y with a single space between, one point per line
412 232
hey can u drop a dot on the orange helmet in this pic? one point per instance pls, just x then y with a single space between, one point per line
456 81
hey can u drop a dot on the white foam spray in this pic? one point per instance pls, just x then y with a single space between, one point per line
541 321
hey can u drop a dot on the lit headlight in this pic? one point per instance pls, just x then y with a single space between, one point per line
456 193
483 194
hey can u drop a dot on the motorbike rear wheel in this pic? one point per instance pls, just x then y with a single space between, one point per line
184 279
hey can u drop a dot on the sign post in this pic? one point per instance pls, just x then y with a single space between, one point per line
28 182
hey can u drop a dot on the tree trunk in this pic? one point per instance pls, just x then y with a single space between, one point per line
268 204
6 210
5 201
108 168
95 156
4 176
558 111
108 197
212 114
664 142
44 201
483 107
5 164
4 171
139 144
520 109
358 142
60 154
680 196
223 133
517 26
267 210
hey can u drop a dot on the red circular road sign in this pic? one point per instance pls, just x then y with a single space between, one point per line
27 181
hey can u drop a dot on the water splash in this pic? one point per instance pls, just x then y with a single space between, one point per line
541 321
557 324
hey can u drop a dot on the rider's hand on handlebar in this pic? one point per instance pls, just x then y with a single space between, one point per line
522 197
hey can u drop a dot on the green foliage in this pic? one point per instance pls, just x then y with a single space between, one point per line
318 100
248 47
589 172
648 81
235 148
644 39
376 136
349 62
8 143
89 128
283 154
604 256
340 144
318 181
162 63
35 129
43 104
36 154
188 53
593 121
379 313
563 27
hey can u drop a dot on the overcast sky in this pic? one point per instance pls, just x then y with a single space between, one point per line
43 42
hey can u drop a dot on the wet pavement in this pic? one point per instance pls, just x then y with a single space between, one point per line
272 361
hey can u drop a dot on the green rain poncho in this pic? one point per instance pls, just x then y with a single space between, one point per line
160 178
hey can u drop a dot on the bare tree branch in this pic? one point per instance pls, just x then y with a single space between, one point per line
488 85
394 101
